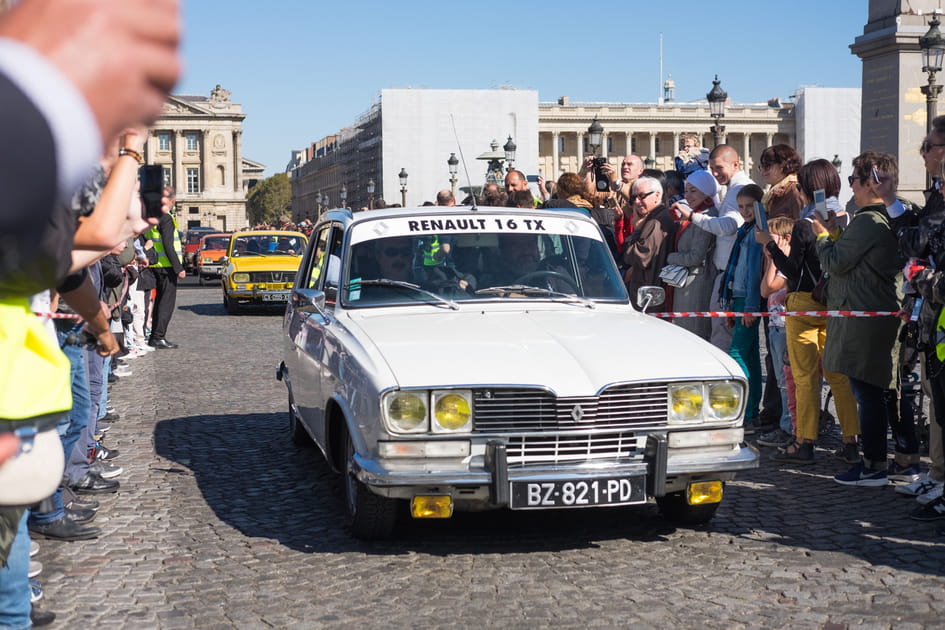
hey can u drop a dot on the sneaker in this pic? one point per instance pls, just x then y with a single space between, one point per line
860 475
933 511
36 568
802 454
902 474
103 452
36 591
34 548
919 486
931 495
105 470
122 371
779 437
848 452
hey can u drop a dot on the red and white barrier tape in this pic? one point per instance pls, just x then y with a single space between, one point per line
784 314
58 315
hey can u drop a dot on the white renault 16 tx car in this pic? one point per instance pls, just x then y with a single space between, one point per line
474 358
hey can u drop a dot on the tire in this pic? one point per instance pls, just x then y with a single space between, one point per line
675 507
297 432
231 306
369 516
201 279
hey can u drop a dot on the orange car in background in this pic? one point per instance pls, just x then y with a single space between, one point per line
209 255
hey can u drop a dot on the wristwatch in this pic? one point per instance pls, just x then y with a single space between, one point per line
137 156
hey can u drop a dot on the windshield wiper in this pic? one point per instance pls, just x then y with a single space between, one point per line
529 290
385 282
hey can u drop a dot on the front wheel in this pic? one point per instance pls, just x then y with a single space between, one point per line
201 279
675 507
370 516
231 306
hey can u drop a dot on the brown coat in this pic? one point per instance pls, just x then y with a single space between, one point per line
646 250
784 199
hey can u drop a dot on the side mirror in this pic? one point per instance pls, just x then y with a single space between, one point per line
308 301
650 296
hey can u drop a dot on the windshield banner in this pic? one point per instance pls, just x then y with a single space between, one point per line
473 223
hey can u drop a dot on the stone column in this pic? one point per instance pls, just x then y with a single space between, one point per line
603 144
675 143
204 152
652 153
746 151
579 150
237 160
555 166
629 143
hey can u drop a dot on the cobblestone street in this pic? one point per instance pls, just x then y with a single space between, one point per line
222 523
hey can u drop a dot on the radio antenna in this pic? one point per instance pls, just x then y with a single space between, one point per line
462 159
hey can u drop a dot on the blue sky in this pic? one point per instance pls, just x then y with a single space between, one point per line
302 69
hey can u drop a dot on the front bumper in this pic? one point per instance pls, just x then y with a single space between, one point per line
665 472
213 271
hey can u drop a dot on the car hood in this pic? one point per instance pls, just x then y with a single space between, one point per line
265 263
574 351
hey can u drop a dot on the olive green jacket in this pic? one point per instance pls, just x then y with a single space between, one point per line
865 274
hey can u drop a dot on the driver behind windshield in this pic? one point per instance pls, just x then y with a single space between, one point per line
394 258
518 256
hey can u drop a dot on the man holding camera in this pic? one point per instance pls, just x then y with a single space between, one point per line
167 270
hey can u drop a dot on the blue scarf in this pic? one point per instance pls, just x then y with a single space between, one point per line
725 288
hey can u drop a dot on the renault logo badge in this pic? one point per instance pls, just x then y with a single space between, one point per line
577 413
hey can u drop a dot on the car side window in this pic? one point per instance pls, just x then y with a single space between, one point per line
319 260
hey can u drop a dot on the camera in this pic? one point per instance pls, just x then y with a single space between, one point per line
151 177
603 182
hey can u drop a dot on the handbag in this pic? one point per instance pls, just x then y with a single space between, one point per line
675 276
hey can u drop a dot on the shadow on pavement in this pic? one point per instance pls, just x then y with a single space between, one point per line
255 480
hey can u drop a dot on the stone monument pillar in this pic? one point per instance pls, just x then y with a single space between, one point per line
893 115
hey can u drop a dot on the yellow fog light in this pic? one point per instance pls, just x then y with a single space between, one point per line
703 492
431 506
685 403
452 411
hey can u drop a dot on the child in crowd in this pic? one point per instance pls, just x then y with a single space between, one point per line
741 291
774 288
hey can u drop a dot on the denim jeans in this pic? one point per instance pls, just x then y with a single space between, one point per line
15 584
747 354
878 409
777 339
71 426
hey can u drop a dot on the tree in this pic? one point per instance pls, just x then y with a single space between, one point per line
268 199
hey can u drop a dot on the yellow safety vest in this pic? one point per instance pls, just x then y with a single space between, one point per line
35 376
430 251
155 236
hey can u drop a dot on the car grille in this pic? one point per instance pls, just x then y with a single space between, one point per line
618 408
570 448
272 277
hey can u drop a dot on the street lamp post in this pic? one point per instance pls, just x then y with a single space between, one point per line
403 186
370 192
344 196
717 98
932 45
595 136
318 204
509 149
453 164
836 161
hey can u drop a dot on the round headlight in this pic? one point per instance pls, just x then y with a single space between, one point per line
240 277
725 399
452 411
407 412
685 403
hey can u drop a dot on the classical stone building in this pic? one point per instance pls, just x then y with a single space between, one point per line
198 141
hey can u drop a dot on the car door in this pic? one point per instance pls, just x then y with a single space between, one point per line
307 358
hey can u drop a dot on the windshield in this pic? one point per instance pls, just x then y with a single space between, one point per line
216 242
268 245
489 257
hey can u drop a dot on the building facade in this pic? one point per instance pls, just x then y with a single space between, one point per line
198 141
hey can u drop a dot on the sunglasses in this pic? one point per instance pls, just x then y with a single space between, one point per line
404 252
642 196
928 146
855 178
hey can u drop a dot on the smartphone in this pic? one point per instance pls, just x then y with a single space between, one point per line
875 175
532 178
761 218
151 177
820 204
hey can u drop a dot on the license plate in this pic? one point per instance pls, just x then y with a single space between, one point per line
578 492
275 297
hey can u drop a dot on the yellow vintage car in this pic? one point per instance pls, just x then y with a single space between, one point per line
260 267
